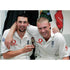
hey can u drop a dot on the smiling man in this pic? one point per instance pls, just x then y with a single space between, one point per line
50 46
19 50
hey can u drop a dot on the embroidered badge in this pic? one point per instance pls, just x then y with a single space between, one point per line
40 41
14 42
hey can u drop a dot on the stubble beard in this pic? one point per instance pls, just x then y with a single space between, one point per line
22 30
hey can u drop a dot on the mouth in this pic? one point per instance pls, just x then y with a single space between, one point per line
44 33
22 29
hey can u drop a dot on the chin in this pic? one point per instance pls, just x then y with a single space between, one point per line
45 36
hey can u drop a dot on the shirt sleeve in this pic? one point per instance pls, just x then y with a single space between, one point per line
4 49
32 30
63 49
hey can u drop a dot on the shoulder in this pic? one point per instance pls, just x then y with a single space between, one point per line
31 27
33 30
58 36
6 32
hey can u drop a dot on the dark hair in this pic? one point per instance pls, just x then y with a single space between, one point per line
21 14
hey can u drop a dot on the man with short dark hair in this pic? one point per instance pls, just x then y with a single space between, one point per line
22 48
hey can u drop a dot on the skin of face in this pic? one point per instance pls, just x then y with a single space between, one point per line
44 29
22 23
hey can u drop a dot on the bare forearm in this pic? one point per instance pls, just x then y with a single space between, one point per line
11 54
66 58
12 29
9 38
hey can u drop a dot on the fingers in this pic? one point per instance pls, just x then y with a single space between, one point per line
55 30
15 22
29 49
9 43
30 46
8 46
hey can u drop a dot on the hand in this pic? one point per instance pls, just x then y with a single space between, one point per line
55 30
9 42
28 48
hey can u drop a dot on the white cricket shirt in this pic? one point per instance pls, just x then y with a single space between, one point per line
54 48
20 43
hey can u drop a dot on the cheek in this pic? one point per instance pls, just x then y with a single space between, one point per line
18 24
40 31
48 28
26 25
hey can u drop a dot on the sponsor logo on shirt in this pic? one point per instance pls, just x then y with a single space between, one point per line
40 41
14 42
66 48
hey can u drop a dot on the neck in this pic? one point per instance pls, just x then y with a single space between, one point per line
21 34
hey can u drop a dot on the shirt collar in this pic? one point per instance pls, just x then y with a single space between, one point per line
52 34
25 35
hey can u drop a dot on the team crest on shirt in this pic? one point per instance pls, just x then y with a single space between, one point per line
14 42
40 41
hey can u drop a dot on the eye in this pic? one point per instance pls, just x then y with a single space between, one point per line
45 27
20 21
39 28
25 21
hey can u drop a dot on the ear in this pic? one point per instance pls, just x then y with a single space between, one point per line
28 23
50 25
15 23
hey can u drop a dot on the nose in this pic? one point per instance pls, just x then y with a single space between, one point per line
43 30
